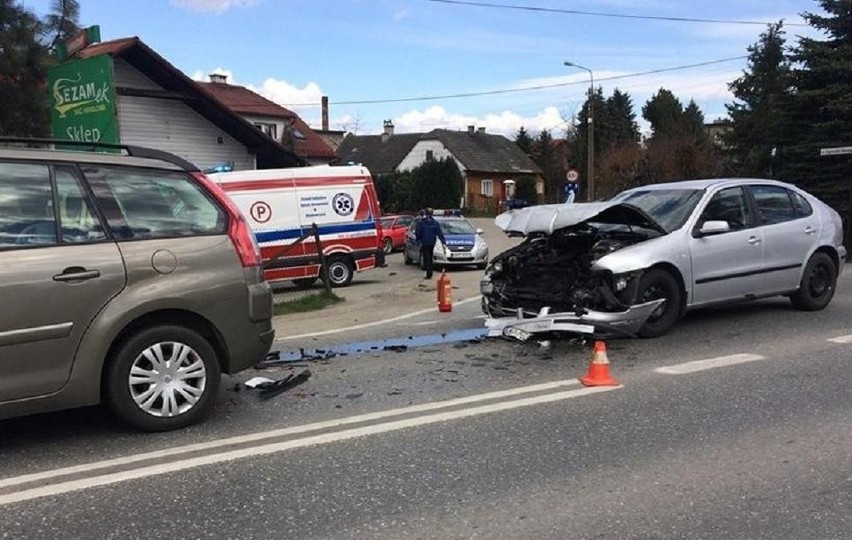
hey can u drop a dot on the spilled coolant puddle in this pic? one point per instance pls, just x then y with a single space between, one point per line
367 347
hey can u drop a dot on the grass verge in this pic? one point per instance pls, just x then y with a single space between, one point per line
308 303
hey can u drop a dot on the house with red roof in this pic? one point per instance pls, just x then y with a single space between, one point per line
272 119
158 106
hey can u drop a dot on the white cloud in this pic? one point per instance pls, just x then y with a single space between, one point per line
504 123
401 14
215 6
288 95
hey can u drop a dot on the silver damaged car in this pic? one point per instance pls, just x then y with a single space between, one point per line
635 264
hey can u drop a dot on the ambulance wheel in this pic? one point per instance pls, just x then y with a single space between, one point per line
304 283
340 270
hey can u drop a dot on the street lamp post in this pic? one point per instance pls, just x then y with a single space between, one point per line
591 129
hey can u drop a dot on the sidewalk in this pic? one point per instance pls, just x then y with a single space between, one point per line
390 292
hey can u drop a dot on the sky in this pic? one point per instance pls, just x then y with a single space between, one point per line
404 60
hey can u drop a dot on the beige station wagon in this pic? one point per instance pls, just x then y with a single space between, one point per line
126 277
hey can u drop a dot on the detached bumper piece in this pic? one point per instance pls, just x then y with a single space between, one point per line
598 323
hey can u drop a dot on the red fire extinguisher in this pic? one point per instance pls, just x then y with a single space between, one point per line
445 292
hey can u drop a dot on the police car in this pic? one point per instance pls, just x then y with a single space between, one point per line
465 245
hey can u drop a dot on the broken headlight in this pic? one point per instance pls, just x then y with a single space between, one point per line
621 282
604 247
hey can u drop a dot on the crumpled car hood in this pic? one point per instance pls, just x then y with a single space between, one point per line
548 218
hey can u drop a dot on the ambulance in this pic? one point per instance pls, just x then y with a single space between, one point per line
281 205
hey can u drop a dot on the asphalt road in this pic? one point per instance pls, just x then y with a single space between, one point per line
480 440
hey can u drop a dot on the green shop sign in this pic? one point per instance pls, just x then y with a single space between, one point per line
82 100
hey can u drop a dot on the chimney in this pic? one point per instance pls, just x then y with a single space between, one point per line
325 113
218 78
388 130
480 130
470 129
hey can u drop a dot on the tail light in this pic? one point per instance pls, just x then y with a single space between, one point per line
238 229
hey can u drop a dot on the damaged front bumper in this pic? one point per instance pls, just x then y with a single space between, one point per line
597 323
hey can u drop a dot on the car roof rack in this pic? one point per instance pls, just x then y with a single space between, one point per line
130 150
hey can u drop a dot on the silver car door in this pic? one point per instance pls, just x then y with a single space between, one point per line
726 266
788 237
55 276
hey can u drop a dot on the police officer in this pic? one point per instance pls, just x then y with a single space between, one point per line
428 231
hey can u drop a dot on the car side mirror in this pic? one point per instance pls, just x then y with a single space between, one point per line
709 228
479 231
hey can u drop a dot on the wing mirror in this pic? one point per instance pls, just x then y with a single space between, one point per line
709 228
479 231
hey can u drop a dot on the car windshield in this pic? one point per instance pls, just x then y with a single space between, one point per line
670 208
456 226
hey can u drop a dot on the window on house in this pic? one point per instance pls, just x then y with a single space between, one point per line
430 155
267 128
539 188
488 187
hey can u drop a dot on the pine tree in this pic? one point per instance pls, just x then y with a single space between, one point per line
665 114
754 129
23 69
544 156
818 113
524 141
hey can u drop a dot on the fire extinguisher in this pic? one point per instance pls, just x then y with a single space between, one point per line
445 292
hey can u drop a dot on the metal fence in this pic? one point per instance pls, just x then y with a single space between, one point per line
294 291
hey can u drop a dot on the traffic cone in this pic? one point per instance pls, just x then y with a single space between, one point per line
598 374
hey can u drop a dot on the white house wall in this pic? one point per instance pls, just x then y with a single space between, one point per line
417 155
173 126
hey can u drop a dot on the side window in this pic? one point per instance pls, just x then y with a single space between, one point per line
141 203
728 205
487 187
773 204
77 220
27 216
803 207
405 221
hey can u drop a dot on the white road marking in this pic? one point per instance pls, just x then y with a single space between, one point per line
841 339
710 363
424 323
376 323
261 450
260 436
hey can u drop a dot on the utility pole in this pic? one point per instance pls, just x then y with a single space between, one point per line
591 132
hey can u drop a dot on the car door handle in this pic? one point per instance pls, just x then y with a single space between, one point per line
753 240
77 273
809 230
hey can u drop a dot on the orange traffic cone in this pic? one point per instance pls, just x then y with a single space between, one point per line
598 374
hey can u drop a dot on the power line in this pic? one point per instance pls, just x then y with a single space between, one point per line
603 14
516 90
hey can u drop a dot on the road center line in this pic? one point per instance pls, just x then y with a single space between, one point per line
260 450
375 323
260 436
710 363
841 339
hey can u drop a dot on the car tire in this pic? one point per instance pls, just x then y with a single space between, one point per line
305 283
656 284
819 281
405 258
387 244
170 408
482 265
340 270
